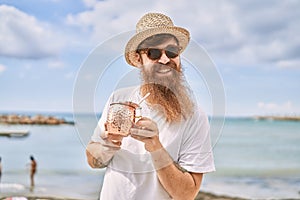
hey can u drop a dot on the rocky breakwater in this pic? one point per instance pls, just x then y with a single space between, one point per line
37 119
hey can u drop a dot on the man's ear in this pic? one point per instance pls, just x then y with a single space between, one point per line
138 58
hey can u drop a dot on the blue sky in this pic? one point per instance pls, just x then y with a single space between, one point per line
255 46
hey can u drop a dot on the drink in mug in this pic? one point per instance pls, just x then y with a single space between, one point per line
121 117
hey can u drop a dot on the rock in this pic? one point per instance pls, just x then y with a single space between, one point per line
38 119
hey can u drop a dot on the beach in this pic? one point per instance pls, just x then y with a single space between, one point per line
255 159
200 196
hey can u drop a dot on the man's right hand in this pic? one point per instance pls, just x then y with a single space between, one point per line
114 139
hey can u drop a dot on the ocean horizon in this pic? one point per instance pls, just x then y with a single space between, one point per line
255 159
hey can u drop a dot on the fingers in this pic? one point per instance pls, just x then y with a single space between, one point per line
111 136
116 142
142 132
114 139
147 123
144 128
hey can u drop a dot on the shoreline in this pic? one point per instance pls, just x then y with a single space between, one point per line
210 196
200 196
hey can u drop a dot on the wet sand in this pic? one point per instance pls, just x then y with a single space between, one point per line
209 196
200 196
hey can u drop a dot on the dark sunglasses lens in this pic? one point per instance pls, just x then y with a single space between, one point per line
154 54
172 51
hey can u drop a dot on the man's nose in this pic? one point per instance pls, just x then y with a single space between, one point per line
164 59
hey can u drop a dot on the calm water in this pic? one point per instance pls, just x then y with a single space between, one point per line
257 159
254 159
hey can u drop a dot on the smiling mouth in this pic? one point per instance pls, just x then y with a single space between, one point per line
164 71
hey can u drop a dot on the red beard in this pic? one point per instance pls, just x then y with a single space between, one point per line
168 94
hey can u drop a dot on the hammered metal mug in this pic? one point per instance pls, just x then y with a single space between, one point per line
121 117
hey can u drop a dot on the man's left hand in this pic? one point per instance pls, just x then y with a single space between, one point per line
145 130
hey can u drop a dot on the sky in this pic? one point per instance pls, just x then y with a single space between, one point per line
254 45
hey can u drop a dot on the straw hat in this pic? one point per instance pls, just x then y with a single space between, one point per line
153 24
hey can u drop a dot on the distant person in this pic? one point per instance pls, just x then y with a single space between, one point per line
33 166
0 170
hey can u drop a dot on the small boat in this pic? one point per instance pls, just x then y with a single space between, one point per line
14 133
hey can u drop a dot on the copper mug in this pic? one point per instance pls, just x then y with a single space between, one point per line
121 117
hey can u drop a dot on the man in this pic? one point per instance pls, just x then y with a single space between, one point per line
168 150
33 166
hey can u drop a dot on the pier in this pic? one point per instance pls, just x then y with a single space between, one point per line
281 118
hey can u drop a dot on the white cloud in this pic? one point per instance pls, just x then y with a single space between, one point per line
90 3
2 68
107 18
252 32
23 36
289 64
56 64
285 107
255 32
69 75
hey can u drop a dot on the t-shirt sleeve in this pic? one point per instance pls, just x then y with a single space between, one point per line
196 153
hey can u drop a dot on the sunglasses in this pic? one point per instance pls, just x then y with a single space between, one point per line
171 51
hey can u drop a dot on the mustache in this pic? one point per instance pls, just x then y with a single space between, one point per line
171 64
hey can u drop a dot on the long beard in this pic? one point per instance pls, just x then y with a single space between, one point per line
169 95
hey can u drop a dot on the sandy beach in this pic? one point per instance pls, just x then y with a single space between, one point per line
35 198
200 196
209 196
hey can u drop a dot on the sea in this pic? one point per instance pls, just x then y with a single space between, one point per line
255 159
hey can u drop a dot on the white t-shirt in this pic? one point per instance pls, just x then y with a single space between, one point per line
131 175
